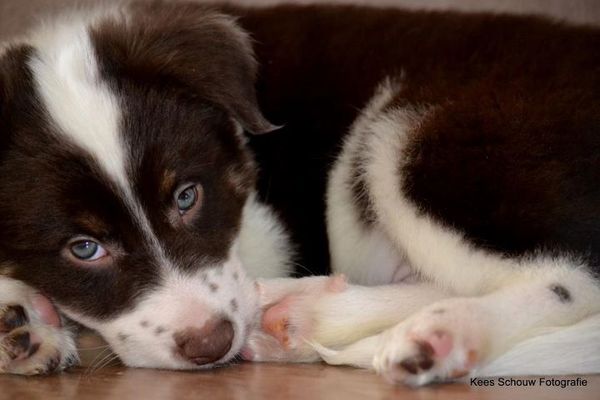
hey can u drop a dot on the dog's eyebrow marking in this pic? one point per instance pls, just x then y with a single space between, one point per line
234 305
93 224
439 311
167 182
7 268
159 330
213 287
122 336
561 292
145 324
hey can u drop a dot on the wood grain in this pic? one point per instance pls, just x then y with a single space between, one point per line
258 381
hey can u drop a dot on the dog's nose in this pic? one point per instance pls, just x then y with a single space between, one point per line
207 344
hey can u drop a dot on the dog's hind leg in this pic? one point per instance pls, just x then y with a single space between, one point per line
502 299
32 338
463 336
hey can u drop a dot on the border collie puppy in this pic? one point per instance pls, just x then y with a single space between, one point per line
449 163
127 189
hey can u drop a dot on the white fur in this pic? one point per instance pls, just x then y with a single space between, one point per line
363 253
577 347
264 245
337 323
80 103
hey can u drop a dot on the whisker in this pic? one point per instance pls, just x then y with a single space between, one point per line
302 267
107 362
93 348
100 355
102 362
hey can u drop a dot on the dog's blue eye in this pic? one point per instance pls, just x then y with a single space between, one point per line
186 198
87 250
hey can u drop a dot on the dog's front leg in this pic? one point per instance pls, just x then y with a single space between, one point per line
300 315
32 338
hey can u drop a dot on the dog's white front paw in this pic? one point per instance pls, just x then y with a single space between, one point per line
32 342
287 321
444 341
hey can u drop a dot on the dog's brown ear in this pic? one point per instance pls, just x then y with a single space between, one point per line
6 67
14 79
188 45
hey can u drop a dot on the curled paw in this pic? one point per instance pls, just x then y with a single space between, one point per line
436 344
31 346
287 320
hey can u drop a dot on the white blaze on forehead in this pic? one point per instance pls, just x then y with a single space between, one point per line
78 101
83 108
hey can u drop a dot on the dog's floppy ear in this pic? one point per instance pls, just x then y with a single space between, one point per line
14 78
188 45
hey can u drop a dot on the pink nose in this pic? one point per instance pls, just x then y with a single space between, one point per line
207 344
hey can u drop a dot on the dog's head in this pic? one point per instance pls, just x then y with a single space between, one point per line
124 174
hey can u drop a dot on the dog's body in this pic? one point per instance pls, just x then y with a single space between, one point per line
454 156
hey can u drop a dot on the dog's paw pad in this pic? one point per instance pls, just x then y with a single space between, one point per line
19 345
419 362
438 342
12 317
430 347
288 321
275 321
31 346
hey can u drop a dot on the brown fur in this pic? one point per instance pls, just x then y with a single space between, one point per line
510 157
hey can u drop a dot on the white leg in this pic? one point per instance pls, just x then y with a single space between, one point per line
454 337
302 313
32 340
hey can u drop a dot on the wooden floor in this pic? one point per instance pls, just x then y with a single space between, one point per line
251 381
258 381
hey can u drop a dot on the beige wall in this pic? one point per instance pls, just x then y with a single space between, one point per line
17 15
